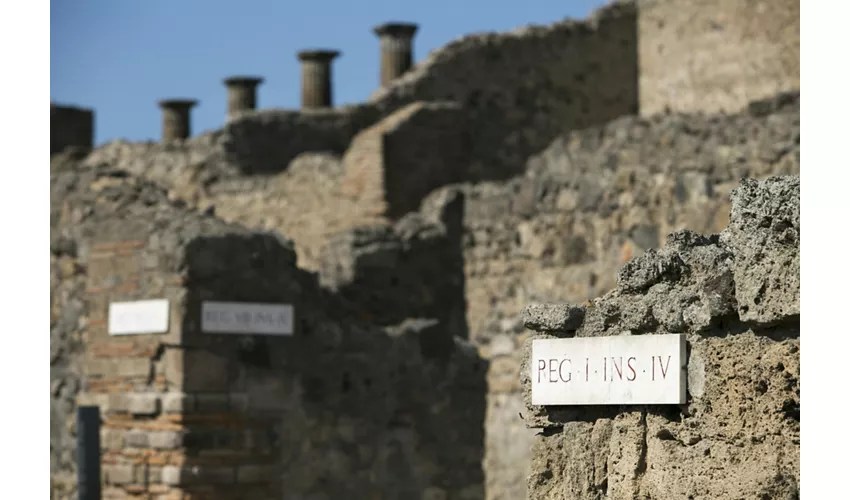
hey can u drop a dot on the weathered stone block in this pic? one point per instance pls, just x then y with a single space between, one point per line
118 403
764 236
145 404
553 317
137 439
171 475
131 367
112 439
119 474
166 440
177 402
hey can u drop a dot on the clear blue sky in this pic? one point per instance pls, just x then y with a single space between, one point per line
120 56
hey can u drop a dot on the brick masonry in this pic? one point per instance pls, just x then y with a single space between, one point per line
227 416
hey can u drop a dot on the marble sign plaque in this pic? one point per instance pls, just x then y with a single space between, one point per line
138 317
246 318
618 370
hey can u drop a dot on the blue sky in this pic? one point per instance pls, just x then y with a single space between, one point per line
120 56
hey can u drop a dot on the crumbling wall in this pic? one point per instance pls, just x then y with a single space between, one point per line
520 88
515 91
593 200
67 320
411 269
393 165
736 296
716 55
343 408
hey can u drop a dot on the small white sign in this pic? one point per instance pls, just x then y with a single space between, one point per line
138 317
246 318
619 370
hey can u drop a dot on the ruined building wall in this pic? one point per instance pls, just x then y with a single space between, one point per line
716 55
593 200
497 98
343 408
736 297
538 225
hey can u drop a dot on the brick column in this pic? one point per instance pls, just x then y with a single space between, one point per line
176 123
316 84
241 94
175 422
131 377
396 49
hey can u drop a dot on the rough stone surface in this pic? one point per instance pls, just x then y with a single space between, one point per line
764 235
347 407
556 188
738 436
552 317
593 200
716 55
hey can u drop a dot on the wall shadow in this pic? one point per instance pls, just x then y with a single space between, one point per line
341 409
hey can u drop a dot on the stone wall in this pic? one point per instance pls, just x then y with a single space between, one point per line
70 127
593 200
343 408
524 132
736 297
520 90
513 92
716 55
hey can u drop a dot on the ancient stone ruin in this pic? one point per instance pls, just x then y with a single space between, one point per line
736 296
547 165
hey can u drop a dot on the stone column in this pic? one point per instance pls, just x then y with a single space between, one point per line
175 118
70 127
316 78
396 49
241 94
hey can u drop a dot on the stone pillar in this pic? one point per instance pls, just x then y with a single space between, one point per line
70 127
316 78
396 49
241 94
175 118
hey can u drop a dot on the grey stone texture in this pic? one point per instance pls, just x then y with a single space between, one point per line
716 55
353 408
561 318
738 436
502 170
241 94
176 118
590 202
67 323
396 49
316 78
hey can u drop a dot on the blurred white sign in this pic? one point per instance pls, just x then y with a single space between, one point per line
246 318
138 317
